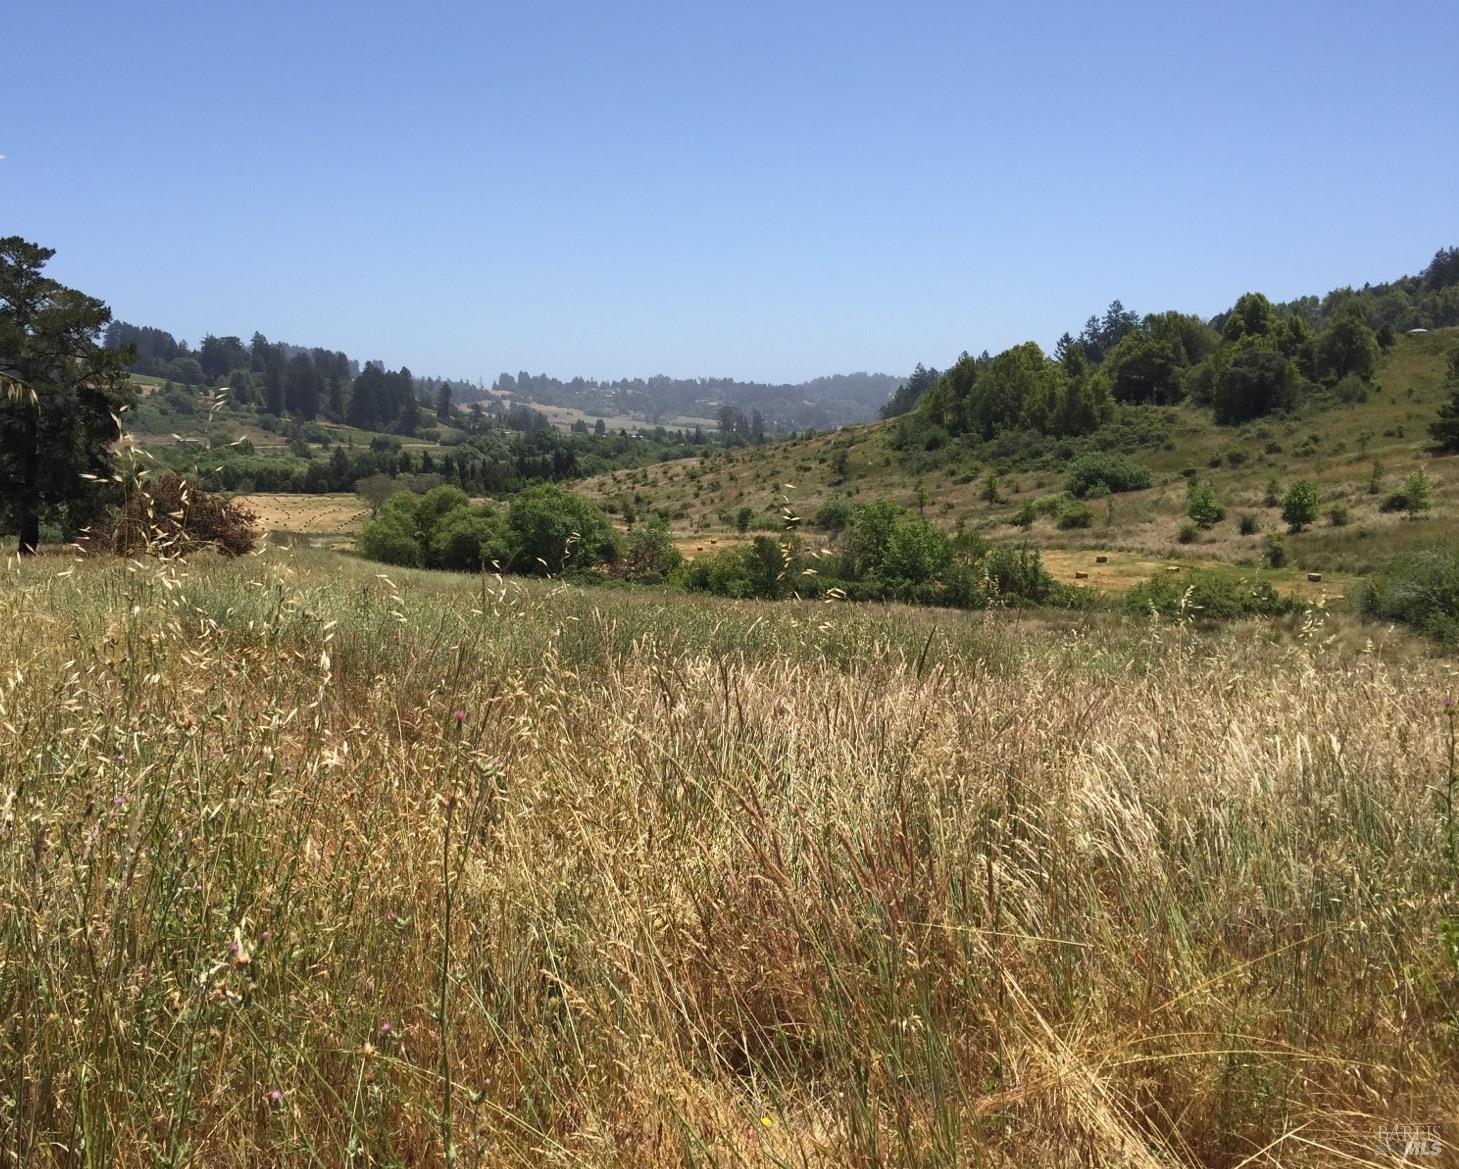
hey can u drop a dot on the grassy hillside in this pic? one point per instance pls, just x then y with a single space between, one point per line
304 866
1336 447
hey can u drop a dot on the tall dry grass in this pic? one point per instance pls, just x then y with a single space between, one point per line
306 866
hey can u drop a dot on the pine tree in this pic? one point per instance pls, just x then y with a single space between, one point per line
1445 428
60 392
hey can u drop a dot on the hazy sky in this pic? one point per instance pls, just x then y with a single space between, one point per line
763 190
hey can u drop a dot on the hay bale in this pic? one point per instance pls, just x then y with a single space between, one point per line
1314 577
1101 560
1080 575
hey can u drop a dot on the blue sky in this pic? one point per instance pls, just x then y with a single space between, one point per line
760 190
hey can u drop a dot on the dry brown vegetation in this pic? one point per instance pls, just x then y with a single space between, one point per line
305 865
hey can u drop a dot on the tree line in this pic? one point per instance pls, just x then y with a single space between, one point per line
821 403
1255 358
280 379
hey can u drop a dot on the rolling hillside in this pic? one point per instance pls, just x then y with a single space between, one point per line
1336 447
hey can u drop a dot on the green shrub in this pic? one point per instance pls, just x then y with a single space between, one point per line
1274 555
833 515
1208 596
394 536
1116 472
1337 515
468 539
1187 534
554 530
1419 589
1018 575
1248 525
1202 505
915 552
1075 515
649 554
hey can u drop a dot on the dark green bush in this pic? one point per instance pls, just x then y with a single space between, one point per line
1115 471
833 515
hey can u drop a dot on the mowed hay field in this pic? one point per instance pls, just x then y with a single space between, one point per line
307 865
338 516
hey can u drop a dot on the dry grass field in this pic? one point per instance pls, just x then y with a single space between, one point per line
303 864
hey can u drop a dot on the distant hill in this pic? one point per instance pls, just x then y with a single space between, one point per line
822 403
313 382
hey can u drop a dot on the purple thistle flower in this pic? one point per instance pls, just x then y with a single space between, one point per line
386 1028
459 715
275 1096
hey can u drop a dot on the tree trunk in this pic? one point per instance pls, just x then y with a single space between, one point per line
30 519
30 528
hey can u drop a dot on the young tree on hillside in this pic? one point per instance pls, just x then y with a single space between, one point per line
1418 494
1202 505
443 403
1300 507
60 393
